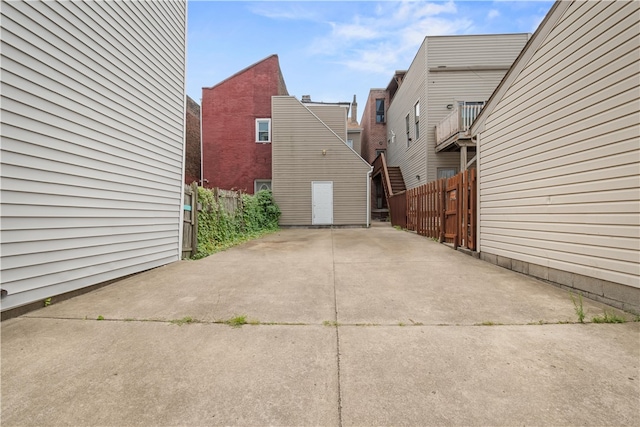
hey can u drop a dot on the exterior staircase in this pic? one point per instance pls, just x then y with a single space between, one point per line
391 178
395 179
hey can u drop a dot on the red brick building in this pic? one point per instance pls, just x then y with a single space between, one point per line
236 127
373 124
373 142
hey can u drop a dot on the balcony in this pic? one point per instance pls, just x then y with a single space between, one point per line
453 131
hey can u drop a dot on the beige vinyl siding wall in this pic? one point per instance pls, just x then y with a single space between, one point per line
434 90
333 116
412 160
448 87
560 158
92 142
299 136
356 137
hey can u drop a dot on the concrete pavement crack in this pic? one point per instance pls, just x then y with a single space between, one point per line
335 305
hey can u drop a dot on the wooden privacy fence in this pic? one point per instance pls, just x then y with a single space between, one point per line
398 209
450 202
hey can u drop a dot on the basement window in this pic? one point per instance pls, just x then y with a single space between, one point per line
263 131
261 184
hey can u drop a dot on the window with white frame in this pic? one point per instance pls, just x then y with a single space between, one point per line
416 113
261 184
263 130
350 143
407 129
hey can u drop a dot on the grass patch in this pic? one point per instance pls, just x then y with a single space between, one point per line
101 317
578 307
330 323
488 323
608 317
180 322
237 322
47 302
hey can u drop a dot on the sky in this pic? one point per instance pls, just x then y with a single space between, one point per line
332 50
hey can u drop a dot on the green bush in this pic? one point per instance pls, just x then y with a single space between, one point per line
218 229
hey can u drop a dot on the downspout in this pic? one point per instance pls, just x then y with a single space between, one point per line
478 174
369 195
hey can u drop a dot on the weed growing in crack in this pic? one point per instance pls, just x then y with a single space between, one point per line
578 307
237 322
180 322
608 317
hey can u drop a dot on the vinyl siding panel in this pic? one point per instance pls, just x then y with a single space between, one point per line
560 159
412 159
448 87
334 118
92 142
299 136
489 55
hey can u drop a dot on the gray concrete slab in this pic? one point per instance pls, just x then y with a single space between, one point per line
60 366
274 279
490 375
87 372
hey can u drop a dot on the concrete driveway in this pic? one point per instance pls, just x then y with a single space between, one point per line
345 327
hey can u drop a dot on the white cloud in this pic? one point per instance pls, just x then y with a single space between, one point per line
493 13
354 31
413 35
286 11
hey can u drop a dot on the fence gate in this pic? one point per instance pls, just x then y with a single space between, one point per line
190 223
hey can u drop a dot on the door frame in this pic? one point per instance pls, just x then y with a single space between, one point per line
313 203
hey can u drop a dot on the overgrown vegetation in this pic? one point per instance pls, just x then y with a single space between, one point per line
219 229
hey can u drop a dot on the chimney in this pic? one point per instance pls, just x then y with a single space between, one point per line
306 98
354 110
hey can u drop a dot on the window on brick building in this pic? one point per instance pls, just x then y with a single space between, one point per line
263 130
262 184
379 110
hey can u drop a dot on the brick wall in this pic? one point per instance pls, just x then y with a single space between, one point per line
192 142
231 157
374 135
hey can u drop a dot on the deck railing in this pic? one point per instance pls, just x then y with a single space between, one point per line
459 120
